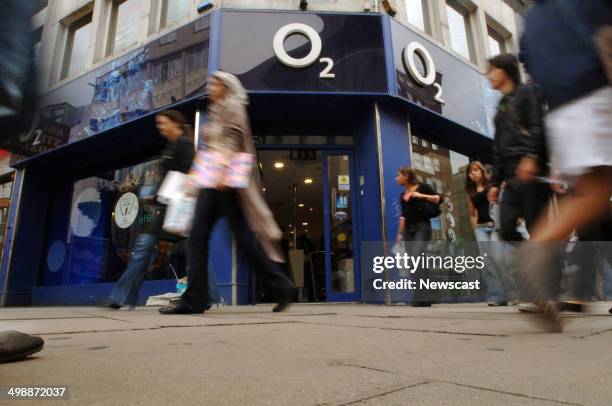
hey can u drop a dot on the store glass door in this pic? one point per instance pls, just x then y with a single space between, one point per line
341 237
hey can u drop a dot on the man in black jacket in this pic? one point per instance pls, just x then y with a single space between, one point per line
177 156
519 149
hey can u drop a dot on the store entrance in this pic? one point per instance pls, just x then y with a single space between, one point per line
310 193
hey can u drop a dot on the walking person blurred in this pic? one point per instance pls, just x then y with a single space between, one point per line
177 156
227 133
571 68
501 288
419 205
519 149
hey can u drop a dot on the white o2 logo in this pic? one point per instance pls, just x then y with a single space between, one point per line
314 54
430 69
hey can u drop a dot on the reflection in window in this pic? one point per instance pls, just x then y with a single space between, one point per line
174 11
77 43
107 212
125 25
445 170
416 12
459 27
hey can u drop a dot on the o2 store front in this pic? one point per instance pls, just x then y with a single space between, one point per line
338 103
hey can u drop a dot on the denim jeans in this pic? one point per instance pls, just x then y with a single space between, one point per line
125 292
501 287
604 266
144 252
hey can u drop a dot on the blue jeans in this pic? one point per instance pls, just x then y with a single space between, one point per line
144 252
501 287
605 269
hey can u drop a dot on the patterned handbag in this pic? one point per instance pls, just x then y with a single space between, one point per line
211 168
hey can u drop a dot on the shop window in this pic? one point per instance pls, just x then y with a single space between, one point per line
415 140
173 11
125 25
417 15
424 143
460 30
77 44
94 241
445 171
434 146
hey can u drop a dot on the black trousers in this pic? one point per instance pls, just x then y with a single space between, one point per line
211 206
526 200
529 201
416 237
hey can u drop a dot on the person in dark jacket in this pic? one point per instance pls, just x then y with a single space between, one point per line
417 201
571 68
519 149
177 156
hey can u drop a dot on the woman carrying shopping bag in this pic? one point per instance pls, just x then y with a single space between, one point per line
177 156
227 184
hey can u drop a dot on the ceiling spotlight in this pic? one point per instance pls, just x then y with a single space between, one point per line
304 224
301 205
263 189
279 165
308 181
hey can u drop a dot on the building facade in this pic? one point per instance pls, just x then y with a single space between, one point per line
342 94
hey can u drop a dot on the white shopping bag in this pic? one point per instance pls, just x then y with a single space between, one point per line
179 214
172 185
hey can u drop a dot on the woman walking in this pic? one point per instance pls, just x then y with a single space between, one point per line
501 288
419 205
227 133
177 156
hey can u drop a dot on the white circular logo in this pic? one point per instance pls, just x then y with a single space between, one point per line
126 210
296 28
430 69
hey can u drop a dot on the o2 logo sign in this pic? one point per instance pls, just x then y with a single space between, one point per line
315 52
428 79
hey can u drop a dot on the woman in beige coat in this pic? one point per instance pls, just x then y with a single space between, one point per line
228 132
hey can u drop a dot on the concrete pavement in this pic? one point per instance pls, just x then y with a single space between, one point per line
320 354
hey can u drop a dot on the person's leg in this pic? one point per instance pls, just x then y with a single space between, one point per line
499 253
495 287
590 203
279 285
510 211
420 234
126 289
196 296
605 268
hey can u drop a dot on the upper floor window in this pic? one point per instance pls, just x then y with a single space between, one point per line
38 5
77 43
174 11
416 13
415 139
124 26
460 29
37 40
495 42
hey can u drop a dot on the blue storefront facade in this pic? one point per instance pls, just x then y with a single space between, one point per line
338 102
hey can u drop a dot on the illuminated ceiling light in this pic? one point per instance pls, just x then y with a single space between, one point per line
308 181
263 189
311 209
301 205
279 165
304 224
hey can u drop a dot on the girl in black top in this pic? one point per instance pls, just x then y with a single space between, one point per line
417 201
501 288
